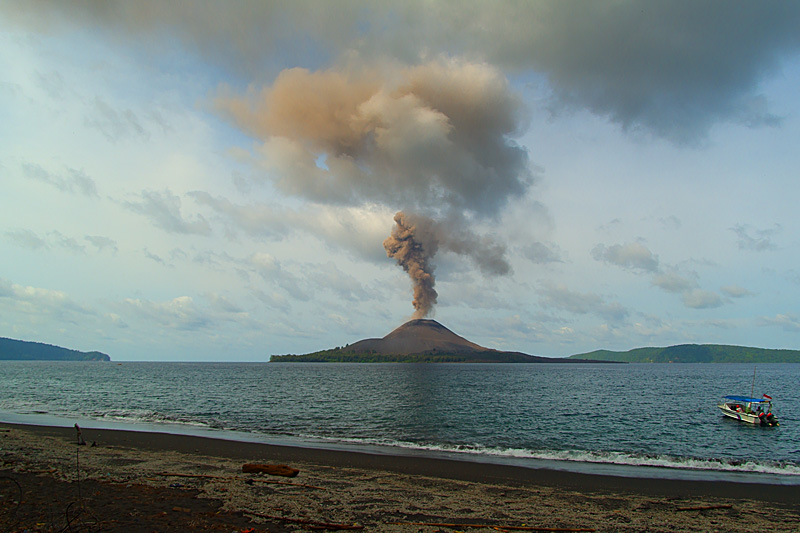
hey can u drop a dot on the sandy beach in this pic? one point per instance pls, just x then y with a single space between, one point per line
135 481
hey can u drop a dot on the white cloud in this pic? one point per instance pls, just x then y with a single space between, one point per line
632 255
700 299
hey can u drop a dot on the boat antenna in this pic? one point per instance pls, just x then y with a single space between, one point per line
753 387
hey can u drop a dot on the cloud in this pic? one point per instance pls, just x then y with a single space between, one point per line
40 303
758 240
672 281
74 181
632 256
26 239
164 211
673 69
102 243
270 270
52 240
541 253
357 229
115 124
700 299
787 322
180 313
638 258
435 138
735 291
558 296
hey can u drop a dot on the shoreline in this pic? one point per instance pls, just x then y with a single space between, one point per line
470 469
379 492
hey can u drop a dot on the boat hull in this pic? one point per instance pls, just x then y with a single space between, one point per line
750 418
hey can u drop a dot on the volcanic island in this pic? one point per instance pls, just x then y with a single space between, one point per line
419 341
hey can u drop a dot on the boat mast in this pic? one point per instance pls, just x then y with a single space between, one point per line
753 387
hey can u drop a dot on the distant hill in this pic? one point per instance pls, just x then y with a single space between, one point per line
696 353
14 350
418 341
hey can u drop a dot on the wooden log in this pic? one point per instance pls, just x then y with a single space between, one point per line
272 470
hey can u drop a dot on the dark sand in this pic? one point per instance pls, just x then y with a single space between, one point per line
128 483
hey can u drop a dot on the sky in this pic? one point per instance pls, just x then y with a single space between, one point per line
215 181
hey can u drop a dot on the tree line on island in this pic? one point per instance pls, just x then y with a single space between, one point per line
696 353
16 350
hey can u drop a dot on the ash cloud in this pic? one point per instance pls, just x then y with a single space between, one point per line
415 241
435 138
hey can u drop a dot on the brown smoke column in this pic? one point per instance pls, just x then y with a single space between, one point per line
407 245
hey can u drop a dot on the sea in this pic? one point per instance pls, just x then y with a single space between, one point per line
640 420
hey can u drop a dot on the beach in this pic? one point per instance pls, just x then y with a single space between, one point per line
139 481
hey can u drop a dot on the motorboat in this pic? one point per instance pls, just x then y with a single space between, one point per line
756 411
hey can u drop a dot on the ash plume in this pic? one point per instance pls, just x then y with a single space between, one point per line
435 139
411 246
416 239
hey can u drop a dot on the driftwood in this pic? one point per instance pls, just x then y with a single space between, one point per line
272 470
314 524
705 507
490 526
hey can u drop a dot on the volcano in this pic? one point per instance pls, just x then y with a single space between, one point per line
420 341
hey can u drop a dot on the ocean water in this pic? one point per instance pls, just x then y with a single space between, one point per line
656 420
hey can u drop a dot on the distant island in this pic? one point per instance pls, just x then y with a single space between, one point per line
418 341
14 350
696 353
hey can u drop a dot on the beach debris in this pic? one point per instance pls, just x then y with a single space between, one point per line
705 507
491 526
312 523
81 442
272 470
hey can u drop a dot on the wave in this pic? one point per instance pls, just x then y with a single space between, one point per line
583 457
546 458
149 416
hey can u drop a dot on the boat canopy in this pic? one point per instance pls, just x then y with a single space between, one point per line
746 399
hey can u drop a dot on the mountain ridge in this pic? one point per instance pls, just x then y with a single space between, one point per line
696 353
17 350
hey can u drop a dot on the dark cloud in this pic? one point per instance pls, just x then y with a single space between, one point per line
673 68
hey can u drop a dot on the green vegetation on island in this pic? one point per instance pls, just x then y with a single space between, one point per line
696 353
340 356
14 350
